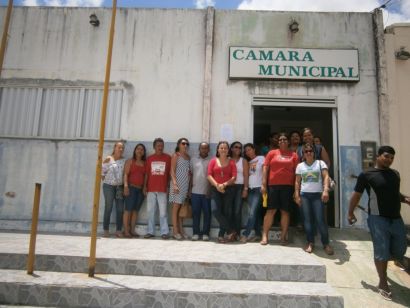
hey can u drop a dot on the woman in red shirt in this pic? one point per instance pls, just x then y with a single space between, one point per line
134 173
222 174
279 173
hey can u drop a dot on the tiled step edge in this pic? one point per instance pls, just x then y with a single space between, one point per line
163 268
78 290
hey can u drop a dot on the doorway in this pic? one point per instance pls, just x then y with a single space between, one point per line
287 118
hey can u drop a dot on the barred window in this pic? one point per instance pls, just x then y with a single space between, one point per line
68 113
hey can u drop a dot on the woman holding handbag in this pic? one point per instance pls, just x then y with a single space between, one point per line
113 188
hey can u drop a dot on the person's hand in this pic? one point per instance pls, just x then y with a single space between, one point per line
106 160
244 193
325 196
298 200
175 188
220 188
263 189
407 200
351 218
126 191
144 191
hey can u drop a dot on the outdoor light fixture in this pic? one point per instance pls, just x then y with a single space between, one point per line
402 54
94 20
294 26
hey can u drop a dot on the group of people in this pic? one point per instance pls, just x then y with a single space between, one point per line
293 173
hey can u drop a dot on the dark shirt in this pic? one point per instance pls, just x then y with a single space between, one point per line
383 188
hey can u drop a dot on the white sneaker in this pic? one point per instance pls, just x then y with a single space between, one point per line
205 237
195 237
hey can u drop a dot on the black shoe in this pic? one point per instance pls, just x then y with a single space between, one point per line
149 235
165 236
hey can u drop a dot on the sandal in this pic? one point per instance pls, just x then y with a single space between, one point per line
385 294
134 234
309 248
232 237
127 235
284 242
264 242
221 240
119 234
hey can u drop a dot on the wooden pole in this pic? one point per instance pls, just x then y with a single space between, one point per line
97 184
5 34
33 234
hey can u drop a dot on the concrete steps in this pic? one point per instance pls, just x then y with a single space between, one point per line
159 273
78 290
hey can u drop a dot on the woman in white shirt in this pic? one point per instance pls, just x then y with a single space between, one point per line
311 193
254 194
113 187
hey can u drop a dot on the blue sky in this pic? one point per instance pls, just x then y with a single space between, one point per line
396 10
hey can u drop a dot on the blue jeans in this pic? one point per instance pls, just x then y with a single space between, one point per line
221 204
236 212
254 213
201 204
134 200
388 237
110 195
313 214
160 198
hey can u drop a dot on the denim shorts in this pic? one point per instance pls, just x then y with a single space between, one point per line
388 236
280 197
134 200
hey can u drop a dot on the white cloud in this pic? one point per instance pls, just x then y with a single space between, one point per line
30 3
200 4
403 15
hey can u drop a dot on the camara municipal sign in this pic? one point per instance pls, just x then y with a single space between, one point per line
293 64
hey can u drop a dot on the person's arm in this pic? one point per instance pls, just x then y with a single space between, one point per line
147 171
234 172
245 178
354 201
404 199
296 195
173 173
105 167
325 193
211 179
265 170
325 157
127 168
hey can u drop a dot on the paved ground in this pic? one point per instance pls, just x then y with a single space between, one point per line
350 271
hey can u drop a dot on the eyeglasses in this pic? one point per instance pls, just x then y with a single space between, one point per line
308 151
185 143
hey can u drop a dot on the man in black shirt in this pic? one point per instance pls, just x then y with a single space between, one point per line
385 223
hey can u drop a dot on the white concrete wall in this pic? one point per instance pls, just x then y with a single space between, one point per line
159 61
398 35
231 99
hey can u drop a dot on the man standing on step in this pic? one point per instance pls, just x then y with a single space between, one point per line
155 187
385 223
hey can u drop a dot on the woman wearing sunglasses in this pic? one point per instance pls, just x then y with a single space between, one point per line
311 192
179 185
241 185
279 173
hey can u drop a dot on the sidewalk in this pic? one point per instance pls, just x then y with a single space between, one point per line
350 271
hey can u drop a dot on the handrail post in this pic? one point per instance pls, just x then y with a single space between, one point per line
97 184
5 34
33 234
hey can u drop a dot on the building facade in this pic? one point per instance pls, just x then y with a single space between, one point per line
206 75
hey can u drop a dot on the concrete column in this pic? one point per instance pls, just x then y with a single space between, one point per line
206 107
381 73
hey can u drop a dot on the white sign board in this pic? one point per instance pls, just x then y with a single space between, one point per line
294 63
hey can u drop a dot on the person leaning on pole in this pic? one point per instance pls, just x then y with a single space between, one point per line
385 223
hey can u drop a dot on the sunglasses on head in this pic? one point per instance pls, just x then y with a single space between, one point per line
185 143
